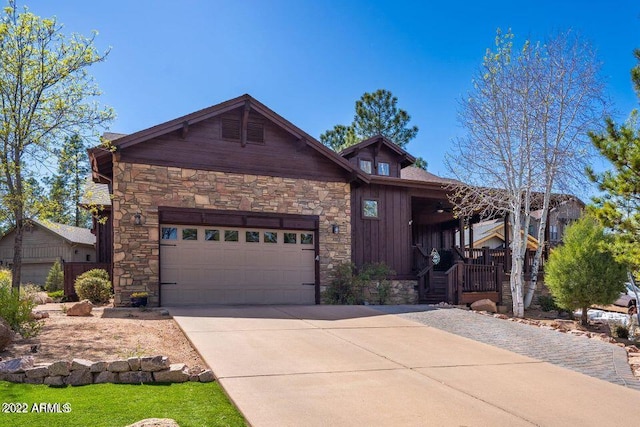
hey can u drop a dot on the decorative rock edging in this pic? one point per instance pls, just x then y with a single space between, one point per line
633 353
134 370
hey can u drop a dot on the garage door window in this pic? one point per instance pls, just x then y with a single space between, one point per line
290 238
230 235
169 233
306 238
253 237
189 234
270 237
212 235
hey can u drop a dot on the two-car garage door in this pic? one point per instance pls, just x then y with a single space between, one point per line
231 265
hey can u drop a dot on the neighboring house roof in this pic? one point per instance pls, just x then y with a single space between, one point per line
113 136
73 235
493 228
100 156
559 200
417 174
406 159
95 194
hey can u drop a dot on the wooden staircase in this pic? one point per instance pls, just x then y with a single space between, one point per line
436 288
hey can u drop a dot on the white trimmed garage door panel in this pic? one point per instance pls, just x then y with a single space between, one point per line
214 269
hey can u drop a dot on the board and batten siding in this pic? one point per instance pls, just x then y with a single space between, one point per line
204 148
40 249
385 239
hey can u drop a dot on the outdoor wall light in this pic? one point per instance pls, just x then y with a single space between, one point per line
335 228
137 218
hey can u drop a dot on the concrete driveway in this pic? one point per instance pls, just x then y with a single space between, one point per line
353 365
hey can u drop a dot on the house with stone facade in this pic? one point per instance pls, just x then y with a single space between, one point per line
233 204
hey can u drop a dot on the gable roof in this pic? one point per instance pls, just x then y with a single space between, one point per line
246 101
406 159
95 194
73 235
493 228
417 174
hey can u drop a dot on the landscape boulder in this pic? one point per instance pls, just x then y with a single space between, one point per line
60 368
79 377
177 373
16 366
82 308
6 334
155 422
135 377
155 363
38 315
105 377
118 366
206 376
485 305
41 298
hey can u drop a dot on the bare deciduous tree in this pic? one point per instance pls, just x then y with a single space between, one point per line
526 118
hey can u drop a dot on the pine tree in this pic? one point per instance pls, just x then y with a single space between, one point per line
619 207
65 188
376 114
583 271
55 278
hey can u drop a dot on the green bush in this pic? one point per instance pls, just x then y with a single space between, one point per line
96 272
622 332
57 296
376 277
348 285
547 303
94 285
55 278
5 277
16 309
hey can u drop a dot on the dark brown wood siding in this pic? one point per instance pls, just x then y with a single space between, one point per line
385 155
385 239
104 237
204 147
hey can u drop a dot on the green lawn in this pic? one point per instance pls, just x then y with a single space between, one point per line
117 405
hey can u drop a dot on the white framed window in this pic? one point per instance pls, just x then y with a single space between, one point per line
370 208
383 168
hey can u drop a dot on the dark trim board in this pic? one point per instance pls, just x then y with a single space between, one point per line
194 216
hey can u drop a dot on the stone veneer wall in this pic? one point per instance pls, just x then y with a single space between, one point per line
404 292
142 188
507 300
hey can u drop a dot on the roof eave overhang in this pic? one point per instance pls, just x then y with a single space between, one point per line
98 154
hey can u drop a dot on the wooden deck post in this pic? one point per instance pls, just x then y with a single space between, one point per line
460 281
507 248
499 275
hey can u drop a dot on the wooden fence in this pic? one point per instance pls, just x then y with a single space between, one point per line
73 270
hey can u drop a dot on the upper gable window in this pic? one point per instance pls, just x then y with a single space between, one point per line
365 166
231 129
383 169
255 132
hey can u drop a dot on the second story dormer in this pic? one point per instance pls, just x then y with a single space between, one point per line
378 156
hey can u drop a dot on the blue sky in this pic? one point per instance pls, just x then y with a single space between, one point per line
310 60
